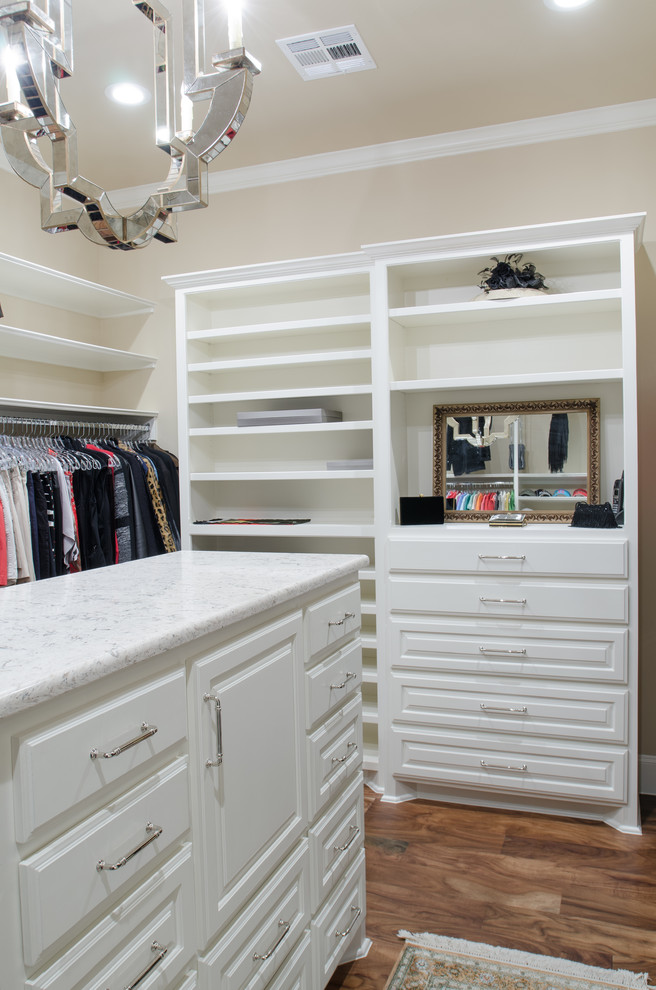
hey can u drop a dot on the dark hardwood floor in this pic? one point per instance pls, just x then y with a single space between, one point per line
555 886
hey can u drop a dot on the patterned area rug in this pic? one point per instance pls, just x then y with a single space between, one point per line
430 962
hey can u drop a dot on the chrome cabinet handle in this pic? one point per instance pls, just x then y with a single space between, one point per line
509 711
502 556
340 622
154 833
503 601
354 831
347 931
349 677
343 759
497 766
502 653
154 947
146 732
219 732
281 924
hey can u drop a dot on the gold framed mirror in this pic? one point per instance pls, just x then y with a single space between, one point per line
540 457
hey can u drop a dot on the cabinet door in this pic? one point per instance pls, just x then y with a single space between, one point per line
248 733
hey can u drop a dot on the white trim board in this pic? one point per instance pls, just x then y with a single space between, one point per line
536 130
647 774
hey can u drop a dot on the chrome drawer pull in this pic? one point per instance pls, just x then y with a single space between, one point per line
496 766
343 759
502 653
508 711
156 831
502 556
503 601
154 947
349 677
219 732
340 622
347 931
146 732
354 832
281 924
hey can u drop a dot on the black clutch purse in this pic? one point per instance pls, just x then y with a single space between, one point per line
421 511
594 516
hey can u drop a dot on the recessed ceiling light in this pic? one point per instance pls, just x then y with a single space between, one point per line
129 94
566 4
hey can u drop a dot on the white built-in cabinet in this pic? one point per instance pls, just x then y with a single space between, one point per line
383 335
195 820
26 280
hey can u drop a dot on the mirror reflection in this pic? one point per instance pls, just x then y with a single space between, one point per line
539 457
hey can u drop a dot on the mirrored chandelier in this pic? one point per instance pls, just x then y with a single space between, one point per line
36 53
481 434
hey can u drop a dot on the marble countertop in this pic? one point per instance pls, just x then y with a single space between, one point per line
68 631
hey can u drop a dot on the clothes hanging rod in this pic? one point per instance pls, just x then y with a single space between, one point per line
39 426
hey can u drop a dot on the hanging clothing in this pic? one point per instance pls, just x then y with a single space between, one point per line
69 504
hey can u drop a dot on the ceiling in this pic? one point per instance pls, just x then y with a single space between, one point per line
442 65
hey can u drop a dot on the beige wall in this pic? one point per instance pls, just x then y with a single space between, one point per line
571 179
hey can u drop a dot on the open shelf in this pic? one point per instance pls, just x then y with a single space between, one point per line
28 345
490 310
76 295
235 431
327 530
282 327
510 381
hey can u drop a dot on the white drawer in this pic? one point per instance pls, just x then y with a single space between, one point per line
339 921
567 555
62 884
251 951
335 840
334 753
296 973
522 706
527 766
331 620
117 950
334 680
510 598
54 770
524 649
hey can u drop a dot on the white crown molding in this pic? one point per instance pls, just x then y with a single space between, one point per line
536 130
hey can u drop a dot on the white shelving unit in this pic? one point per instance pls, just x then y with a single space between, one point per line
35 283
383 335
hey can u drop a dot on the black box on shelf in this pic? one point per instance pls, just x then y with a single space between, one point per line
421 510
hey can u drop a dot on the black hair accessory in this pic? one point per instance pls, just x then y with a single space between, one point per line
594 516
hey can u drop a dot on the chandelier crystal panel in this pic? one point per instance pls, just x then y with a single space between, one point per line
36 54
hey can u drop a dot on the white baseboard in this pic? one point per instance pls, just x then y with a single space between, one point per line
647 778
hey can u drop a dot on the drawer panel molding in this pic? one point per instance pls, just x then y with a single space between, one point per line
515 598
528 766
70 863
487 704
55 769
582 653
568 556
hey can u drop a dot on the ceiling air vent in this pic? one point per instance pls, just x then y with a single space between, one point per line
327 53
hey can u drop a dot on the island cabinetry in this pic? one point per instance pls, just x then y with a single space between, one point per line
155 821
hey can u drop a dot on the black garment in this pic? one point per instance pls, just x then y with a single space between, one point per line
46 561
34 526
558 441
461 456
154 543
91 553
167 475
